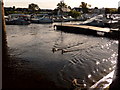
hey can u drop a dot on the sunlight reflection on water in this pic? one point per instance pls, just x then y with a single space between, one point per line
63 56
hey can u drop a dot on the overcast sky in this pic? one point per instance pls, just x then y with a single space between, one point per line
51 4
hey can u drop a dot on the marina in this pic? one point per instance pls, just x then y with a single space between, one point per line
73 42
80 50
62 48
30 48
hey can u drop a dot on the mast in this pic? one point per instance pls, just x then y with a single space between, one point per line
62 12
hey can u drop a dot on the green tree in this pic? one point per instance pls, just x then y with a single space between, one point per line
13 7
74 13
62 8
33 7
110 10
84 7
61 5
96 8
55 11
69 7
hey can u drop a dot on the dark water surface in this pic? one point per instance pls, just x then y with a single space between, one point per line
62 56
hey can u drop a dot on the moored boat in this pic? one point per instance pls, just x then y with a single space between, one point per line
44 19
18 19
101 21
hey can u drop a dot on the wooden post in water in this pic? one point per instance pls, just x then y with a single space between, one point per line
4 41
116 82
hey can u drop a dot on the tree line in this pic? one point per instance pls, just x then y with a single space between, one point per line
61 6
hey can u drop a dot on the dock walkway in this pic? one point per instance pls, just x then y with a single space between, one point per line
82 27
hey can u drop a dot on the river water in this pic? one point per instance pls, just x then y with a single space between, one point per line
63 57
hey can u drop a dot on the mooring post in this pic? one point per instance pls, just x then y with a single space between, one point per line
0 45
116 82
4 41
